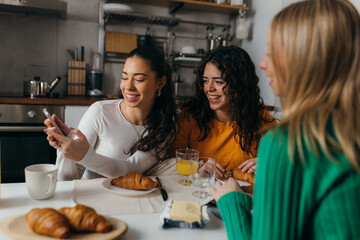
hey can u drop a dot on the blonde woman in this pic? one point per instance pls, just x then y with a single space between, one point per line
308 173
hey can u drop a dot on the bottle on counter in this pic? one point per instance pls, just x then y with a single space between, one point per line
178 86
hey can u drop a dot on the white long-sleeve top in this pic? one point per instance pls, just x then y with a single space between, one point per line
110 137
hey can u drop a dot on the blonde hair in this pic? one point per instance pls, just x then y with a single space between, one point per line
320 43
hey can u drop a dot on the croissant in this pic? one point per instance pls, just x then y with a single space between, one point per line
85 219
135 181
246 177
48 221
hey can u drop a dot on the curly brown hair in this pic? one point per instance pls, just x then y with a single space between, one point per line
238 71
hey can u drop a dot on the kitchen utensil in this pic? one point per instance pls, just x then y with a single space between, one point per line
162 190
227 36
177 84
76 54
149 41
71 54
210 37
218 41
82 56
36 88
211 42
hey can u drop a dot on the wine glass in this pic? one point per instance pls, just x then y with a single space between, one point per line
183 157
203 175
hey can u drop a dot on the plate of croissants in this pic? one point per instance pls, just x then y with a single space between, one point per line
78 222
130 185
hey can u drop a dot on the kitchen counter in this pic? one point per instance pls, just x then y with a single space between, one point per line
76 100
70 100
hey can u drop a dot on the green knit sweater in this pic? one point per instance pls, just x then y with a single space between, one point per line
318 199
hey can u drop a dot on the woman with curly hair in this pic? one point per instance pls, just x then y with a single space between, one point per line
132 134
308 175
226 117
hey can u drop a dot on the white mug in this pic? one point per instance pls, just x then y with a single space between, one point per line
41 180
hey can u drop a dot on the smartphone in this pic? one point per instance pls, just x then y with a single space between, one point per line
47 114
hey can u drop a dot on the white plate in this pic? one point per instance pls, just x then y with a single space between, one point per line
106 184
241 183
117 8
16 227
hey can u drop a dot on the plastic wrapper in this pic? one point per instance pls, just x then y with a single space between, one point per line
166 222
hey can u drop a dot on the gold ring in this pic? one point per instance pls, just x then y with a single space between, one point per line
59 144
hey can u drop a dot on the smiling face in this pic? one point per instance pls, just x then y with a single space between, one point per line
216 90
139 83
267 64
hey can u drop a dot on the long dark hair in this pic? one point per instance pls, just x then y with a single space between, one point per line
238 71
161 124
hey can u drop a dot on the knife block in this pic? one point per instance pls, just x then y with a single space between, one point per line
76 80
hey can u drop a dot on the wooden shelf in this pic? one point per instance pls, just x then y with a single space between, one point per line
205 6
211 7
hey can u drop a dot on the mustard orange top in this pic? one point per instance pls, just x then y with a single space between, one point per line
219 144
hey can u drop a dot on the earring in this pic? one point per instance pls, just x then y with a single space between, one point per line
158 93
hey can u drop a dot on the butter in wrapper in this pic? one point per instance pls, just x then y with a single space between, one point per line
167 222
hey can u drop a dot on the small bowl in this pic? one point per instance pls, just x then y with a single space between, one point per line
188 50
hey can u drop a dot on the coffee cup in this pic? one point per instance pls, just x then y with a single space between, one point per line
41 180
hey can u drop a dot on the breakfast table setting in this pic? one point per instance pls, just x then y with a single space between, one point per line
133 214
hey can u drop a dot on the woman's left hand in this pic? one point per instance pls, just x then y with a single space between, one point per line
249 165
223 188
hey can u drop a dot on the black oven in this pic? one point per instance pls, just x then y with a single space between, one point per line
23 140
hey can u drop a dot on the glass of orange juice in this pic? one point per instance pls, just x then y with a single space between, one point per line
183 158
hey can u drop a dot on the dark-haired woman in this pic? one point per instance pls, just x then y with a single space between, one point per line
116 137
225 119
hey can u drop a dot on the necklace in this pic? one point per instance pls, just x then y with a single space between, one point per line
132 125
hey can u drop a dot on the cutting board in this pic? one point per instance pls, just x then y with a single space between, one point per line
118 42
16 227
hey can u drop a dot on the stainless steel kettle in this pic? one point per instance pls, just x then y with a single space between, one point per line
36 88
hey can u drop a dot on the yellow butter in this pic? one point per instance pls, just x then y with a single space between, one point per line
185 211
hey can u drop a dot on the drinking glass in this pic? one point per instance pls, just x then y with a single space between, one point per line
183 158
203 175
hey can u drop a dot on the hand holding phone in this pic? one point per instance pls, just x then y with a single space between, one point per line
47 114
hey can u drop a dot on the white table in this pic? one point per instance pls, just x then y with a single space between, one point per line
15 200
